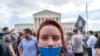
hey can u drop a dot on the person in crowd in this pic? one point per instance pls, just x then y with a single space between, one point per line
91 42
13 35
7 40
96 35
6 33
51 39
77 41
85 38
5 30
13 40
17 42
4 50
20 38
34 34
28 45
69 44
97 47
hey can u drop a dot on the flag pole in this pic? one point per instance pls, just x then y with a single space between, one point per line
87 15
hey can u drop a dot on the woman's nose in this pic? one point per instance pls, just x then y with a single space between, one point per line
50 43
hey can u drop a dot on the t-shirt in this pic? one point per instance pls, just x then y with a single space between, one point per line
86 37
69 46
69 49
91 41
4 50
29 46
13 37
77 43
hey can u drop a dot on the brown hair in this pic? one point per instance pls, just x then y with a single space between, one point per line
91 32
75 31
54 23
12 30
70 34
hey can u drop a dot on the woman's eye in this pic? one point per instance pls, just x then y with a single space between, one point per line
56 38
44 38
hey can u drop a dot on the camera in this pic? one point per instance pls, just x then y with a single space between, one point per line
4 36
1 35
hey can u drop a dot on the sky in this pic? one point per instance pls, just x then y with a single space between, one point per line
21 11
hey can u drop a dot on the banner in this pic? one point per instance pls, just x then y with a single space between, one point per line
80 24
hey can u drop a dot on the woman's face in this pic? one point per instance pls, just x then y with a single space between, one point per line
50 36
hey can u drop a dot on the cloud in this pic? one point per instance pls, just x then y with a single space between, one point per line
94 5
5 14
59 3
55 2
25 8
69 20
94 21
66 5
92 24
94 15
70 9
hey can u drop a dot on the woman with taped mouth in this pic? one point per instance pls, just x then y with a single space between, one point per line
50 39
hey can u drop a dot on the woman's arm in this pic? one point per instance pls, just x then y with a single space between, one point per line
10 46
11 49
20 52
62 54
98 51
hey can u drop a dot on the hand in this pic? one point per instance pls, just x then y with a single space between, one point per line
8 39
21 55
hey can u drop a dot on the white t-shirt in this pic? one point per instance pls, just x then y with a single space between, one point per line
69 46
91 41
77 41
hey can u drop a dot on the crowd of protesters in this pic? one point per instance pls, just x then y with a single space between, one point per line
49 40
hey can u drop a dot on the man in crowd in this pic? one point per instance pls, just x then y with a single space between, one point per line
77 43
4 51
85 39
6 39
14 40
28 46
91 42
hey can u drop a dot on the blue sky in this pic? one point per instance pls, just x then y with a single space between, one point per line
20 11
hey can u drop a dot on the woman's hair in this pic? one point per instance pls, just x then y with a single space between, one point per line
20 34
98 39
96 35
12 31
54 23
